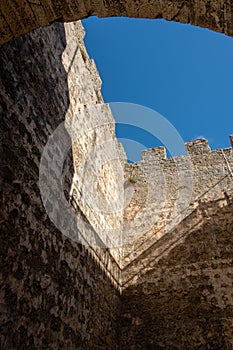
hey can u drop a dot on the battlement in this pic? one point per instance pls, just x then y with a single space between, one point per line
177 222
159 153
198 147
165 190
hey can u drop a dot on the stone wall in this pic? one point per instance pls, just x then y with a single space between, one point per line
55 293
184 300
164 191
18 17
98 182
177 276
175 280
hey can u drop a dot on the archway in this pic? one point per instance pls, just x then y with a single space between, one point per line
19 17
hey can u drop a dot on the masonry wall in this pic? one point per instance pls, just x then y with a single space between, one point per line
164 191
184 300
55 293
59 294
98 182
177 264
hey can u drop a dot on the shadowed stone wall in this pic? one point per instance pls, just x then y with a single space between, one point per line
58 294
55 294
177 278
184 299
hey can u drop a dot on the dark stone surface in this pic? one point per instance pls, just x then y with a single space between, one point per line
185 301
53 293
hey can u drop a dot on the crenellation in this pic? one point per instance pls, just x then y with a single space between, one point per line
164 279
156 153
197 147
231 140
179 184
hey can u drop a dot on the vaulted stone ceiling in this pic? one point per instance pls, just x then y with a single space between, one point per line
21 16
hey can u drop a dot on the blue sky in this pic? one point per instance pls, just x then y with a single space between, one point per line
183 72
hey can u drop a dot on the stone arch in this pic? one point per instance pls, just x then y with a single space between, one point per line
19 17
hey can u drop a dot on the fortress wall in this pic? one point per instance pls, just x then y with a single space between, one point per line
177 282
55 293
184 300
18 17
164 191
98 182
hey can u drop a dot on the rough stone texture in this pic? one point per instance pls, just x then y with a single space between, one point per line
176 280
98 183
19 16
164 191
55 294
185 300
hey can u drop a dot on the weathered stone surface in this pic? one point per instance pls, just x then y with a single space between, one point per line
55 294
176 285
167 191
18 17
98 183
185 300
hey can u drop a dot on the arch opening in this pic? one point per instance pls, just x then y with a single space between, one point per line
21 17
